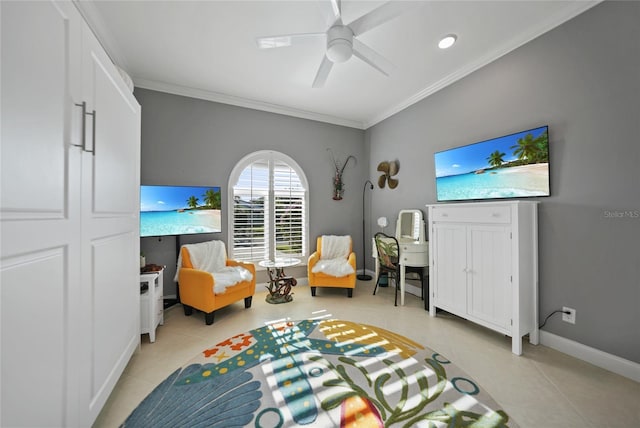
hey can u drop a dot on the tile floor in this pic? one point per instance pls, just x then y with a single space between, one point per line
542 388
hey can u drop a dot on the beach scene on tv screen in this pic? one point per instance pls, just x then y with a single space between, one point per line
179 210
512 166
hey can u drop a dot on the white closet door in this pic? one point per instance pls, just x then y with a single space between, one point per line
110 224
39 214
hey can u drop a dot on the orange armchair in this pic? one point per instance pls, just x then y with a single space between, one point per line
196 288
324 279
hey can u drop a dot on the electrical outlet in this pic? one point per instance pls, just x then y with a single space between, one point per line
570 317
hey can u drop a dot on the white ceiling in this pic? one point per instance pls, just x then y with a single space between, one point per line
207 49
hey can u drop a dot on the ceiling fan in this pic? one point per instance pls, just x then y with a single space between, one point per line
341 39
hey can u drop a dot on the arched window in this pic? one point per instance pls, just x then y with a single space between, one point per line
268 208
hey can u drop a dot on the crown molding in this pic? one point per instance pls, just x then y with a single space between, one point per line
100 30
87 9
572 10
243 102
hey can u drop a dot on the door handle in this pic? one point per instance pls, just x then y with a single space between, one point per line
83 106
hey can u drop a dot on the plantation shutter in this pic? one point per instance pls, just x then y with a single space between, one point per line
250 206
269 212
289 211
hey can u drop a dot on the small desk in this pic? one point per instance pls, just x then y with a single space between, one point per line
414 254
279 284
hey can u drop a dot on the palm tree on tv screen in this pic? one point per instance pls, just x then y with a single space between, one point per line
192 202
526 149
542 148
212 199
495 159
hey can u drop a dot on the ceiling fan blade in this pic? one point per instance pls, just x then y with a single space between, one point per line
331 11
336 6
371 57
270 42
323 73
379 16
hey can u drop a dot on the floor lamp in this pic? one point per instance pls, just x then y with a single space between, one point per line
363 276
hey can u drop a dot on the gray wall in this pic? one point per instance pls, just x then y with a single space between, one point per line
583 80
187 141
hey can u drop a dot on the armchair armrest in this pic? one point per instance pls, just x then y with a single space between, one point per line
195 286
248 266
313 259
352 260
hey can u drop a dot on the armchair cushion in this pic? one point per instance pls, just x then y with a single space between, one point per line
335 247
334 254
319 278
333 267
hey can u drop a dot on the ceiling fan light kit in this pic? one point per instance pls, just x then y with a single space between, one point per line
339 43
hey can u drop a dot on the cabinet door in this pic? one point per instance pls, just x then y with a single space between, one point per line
110 205
449 268
40 228
489 276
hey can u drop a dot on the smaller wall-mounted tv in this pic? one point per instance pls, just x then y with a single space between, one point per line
512 166
179 210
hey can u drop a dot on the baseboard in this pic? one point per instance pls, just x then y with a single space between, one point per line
613 363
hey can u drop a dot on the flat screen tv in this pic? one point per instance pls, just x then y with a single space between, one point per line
512 166
179 210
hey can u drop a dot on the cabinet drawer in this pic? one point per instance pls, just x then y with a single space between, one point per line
486 214
414 259
413 248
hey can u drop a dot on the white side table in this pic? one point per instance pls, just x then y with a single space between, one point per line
151 303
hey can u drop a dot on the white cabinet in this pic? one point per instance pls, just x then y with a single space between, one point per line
484 265
69 218
151 303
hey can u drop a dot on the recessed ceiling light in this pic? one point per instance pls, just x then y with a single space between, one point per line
447 41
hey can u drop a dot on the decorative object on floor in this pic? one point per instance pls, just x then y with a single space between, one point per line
280 284
333 264
338 185
388 169
318 373
363 276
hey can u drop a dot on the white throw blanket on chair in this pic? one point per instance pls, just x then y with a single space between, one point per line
211 257
334 256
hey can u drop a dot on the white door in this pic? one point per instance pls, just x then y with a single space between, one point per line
489 276
39 211
110 225
449 267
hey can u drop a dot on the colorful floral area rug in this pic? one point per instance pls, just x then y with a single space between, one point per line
318 373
